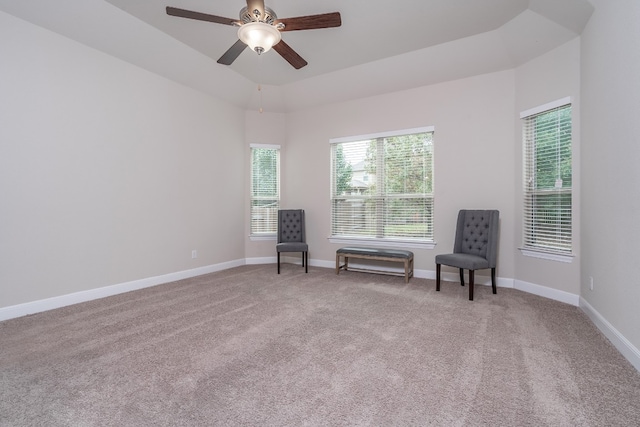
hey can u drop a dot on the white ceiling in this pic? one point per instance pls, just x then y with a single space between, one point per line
381 46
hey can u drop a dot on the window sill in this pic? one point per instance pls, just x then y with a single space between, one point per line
383 242
568 258
260 237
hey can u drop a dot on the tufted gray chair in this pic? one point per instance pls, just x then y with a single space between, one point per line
291 236
475 246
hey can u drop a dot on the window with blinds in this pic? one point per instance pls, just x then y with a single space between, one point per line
265 189
547 213
382 186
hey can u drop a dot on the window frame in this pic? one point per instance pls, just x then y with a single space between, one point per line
403 242
273 222
553 249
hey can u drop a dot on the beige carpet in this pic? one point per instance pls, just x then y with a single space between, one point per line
248 347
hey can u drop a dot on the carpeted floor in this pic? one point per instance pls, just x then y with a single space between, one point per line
249 347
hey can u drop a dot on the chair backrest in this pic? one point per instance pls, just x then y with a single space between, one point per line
477 234
291 225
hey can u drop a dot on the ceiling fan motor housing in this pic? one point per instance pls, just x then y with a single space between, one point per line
247 16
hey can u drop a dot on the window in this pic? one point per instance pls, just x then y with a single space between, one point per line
547 210
265 189
382 187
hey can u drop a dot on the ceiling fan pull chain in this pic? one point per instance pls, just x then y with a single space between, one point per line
259 82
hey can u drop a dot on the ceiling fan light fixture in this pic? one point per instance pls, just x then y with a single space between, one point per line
259 36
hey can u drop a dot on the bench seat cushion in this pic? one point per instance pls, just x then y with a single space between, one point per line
391 253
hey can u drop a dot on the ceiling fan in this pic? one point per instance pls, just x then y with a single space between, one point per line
259 28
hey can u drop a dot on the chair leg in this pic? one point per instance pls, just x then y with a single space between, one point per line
278 262
303 259
306 262
461 277
437 277
470 285
493 279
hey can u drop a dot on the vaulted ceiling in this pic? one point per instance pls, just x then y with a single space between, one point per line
381 46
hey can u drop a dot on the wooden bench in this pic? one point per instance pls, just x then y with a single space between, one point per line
391 255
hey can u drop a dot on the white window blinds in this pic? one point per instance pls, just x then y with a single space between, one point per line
265 189
547 214
382 186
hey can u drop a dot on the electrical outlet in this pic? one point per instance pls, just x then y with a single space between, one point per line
194 254
591 282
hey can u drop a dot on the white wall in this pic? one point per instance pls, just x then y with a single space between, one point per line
610 164
552 76
108 173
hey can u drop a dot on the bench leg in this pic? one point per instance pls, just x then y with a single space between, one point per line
344 267
438 277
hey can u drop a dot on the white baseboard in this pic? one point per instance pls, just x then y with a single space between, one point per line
543 291
321 263
106 291
631 353
262 260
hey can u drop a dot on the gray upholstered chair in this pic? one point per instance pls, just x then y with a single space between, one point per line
291 236
475 246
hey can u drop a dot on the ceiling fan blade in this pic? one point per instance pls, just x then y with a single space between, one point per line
289 55
311 22
182 13
253 5
230 55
